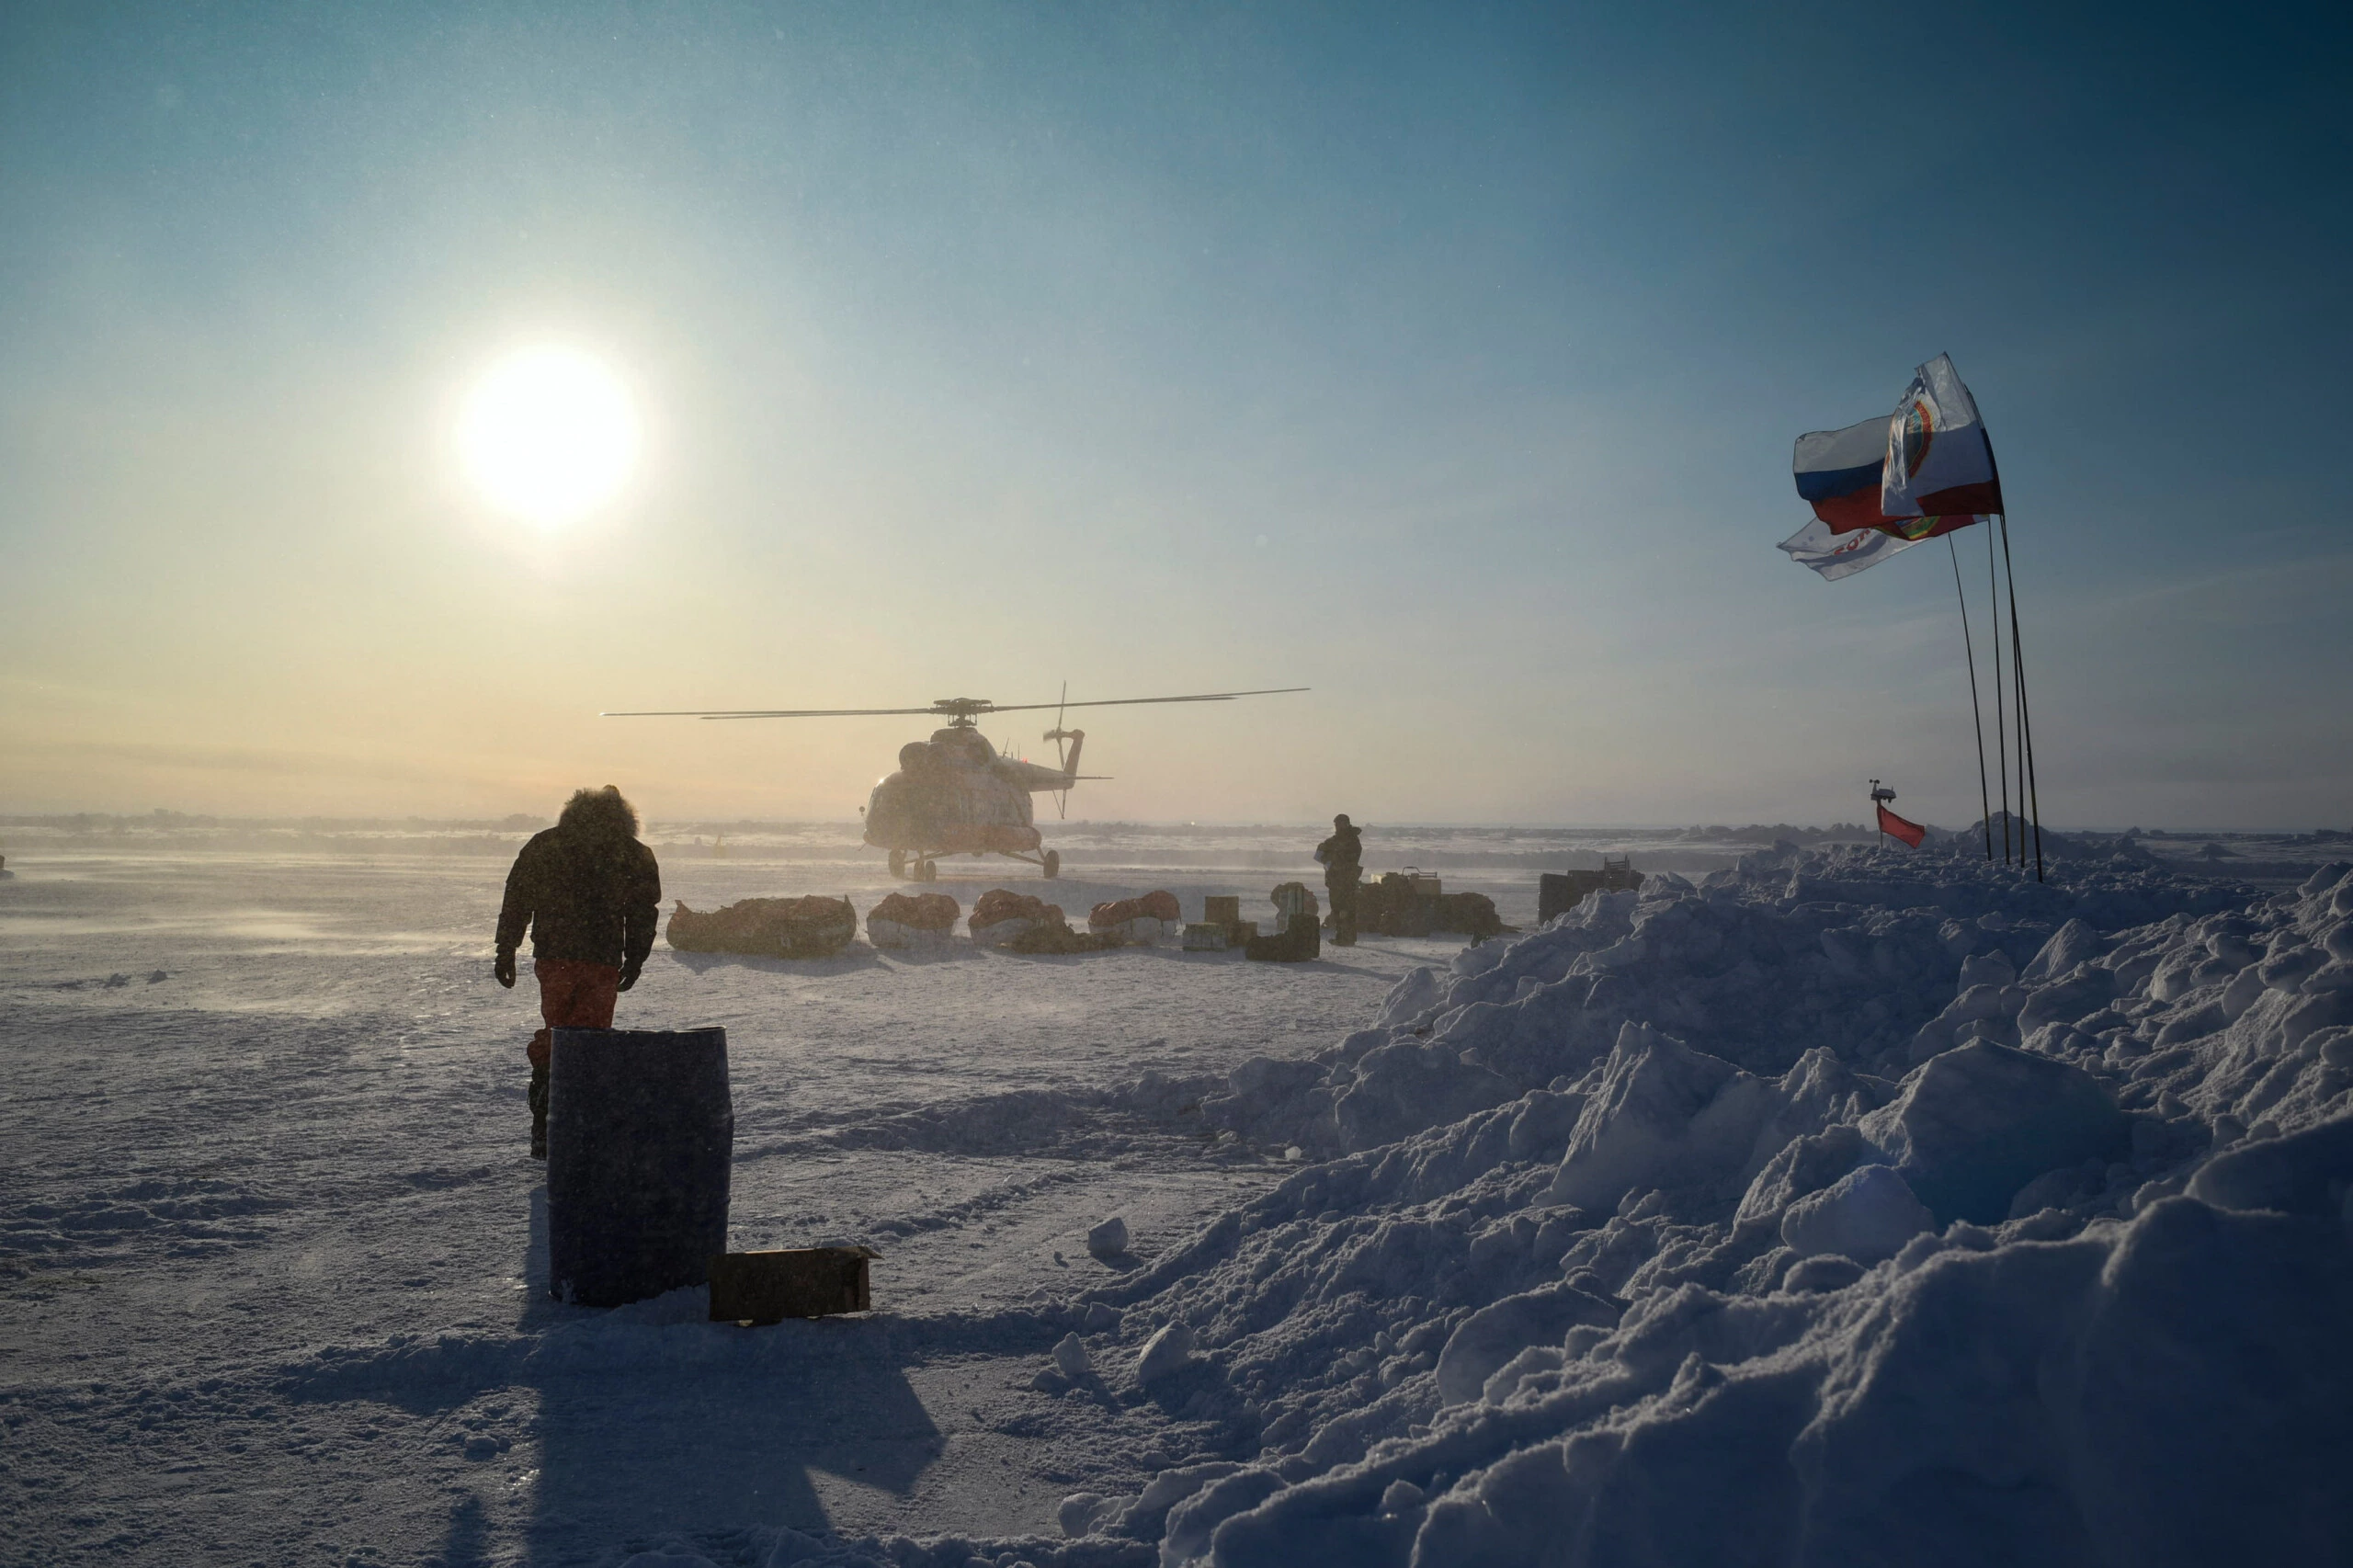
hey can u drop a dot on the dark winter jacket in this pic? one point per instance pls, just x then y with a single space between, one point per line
1343 855
591 897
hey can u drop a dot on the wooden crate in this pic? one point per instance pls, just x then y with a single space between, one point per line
796 1282
1220 909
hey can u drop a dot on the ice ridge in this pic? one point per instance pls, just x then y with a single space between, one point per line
1898 1209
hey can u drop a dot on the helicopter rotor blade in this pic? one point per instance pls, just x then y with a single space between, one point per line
1133 701
975 709
771 714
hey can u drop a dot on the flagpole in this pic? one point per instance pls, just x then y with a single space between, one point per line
2001 726
2026 725
2028 791
1977 714
2018 734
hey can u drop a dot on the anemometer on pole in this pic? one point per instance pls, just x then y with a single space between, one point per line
1890 824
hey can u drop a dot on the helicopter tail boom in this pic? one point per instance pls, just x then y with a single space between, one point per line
1036 778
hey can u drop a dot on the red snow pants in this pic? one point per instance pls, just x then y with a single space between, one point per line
573 996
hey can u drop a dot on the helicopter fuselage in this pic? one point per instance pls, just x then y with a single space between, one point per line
954 795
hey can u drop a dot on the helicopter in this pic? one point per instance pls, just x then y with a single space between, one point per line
955 793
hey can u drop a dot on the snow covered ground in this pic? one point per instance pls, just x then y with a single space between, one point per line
273 1270
1849 1206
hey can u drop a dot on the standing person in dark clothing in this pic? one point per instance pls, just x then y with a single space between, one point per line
1342 855
589 894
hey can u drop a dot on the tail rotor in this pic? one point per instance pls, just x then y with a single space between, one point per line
1067 760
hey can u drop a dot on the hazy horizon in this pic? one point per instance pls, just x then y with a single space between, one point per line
1445 359
518 822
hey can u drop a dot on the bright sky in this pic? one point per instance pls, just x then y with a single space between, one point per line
1444 358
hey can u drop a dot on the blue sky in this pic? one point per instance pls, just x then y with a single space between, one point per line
1445 359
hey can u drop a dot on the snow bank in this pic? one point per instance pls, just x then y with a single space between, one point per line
1897 1209
1866 1215
1878 958
771 1547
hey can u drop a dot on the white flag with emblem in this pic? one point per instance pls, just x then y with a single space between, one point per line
1939 462
1836 555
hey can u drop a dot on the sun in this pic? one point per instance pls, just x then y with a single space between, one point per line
548 434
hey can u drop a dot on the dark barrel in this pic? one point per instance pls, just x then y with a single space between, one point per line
641 1139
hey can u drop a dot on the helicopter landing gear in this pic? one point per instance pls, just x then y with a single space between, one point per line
925 871
898 863
1053 864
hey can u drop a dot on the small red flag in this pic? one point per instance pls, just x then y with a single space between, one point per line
1897 827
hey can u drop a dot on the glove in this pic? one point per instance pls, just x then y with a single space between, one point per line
629 976
502 970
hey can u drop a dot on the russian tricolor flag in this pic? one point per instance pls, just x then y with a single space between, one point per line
1838 474
1931 460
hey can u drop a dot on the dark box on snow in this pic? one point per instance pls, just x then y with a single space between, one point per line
641 1149
1557 892
795 1283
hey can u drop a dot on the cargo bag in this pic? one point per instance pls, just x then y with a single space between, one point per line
1142 921
921 920
1002 916
766 927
